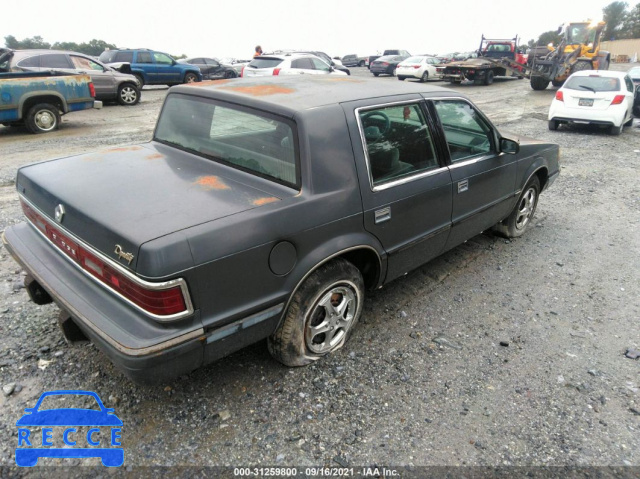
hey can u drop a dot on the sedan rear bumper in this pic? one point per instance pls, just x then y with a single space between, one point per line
143 349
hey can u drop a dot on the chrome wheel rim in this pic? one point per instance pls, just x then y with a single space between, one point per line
128 95
330 318
526 208
45 120
191 79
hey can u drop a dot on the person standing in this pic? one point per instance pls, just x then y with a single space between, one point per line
258 51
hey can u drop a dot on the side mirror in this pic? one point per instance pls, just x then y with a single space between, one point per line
510 147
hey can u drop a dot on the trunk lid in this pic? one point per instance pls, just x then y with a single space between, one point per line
129 196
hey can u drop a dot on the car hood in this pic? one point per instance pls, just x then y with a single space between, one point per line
130 196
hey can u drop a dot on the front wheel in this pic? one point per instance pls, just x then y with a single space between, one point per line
140 79
230 74
517 222
43 118
321 315
376 74
190 78
128 94
539 83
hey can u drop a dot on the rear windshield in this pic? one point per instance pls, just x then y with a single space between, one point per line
265 62
414 60
251 141
593 83
107 56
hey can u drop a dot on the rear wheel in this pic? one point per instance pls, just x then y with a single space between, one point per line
140 79
520 218
361 63
321 315
553 124
630 122
539 83
488 79
43 118
615 130
230 74
401 78
424 77
376 74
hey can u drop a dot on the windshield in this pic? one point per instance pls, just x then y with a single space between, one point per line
593 83
261 144
580 33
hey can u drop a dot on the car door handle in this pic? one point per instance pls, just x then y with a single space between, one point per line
382 215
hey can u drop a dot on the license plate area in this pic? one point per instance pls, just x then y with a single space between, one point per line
585 102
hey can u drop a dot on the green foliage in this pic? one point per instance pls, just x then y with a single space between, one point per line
631 26
94 47
615 15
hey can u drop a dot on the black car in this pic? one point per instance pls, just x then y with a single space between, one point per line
265 211
634 73
211 68
386 65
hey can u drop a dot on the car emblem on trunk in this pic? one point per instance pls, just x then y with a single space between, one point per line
59 213
123 255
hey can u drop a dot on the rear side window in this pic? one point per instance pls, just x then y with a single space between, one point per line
123 57
144 57
33 62
302 63
593 83
56 60
398 142
265 62
249 140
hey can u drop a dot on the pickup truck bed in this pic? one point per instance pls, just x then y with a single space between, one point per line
38 99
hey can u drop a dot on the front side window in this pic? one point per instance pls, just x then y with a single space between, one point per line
82 63
320 65
467 133
398 142
246 139
162 58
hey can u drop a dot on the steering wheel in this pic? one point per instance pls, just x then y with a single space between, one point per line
381 115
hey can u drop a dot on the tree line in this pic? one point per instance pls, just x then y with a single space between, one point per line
622 22
93 48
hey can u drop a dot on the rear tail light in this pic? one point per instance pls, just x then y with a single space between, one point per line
158 301
416 66
92 90
617 99
242 72
559 96
276 71
385 64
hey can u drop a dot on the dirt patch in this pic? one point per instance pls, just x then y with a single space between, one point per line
211 183
264 201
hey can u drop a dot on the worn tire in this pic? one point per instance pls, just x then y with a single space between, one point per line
42 118
553 125
539 83
580 66
190 78
616 130
425 77
488 78
128 94
520 217
140 79
294 343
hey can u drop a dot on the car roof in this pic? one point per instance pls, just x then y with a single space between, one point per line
602 73
44 51
288 95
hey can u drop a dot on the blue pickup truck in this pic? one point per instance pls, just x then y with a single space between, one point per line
38 99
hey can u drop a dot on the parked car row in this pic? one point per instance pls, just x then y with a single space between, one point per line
295 63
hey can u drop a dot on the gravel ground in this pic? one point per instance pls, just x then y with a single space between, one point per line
499 353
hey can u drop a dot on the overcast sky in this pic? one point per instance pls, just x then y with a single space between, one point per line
338 27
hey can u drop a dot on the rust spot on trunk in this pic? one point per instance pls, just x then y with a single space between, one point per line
154 156
261 90
211 183
126 148
264 201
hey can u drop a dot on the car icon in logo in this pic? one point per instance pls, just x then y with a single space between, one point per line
61 427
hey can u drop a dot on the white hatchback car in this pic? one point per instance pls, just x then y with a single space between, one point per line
597 97
288 64
422 67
